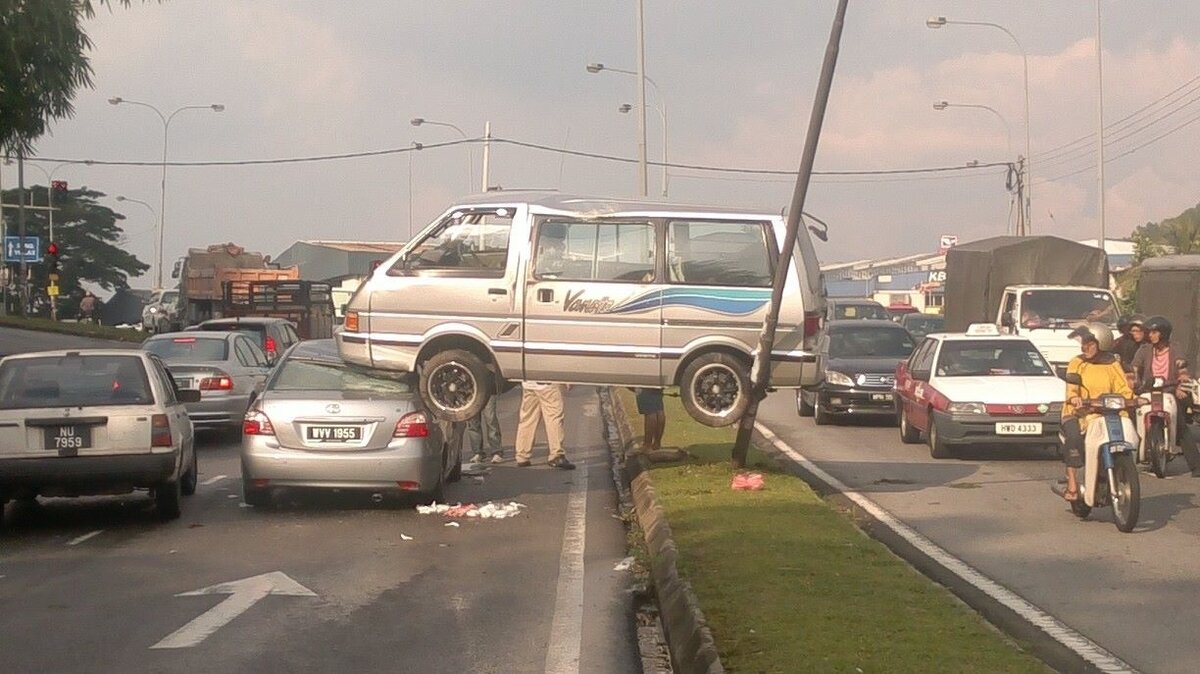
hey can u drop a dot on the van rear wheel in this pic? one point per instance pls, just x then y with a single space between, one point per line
715 389
455 385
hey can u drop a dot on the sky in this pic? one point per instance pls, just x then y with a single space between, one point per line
305 78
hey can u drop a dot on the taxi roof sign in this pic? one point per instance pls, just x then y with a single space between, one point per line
983 329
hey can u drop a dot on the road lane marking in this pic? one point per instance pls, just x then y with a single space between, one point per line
566 629
212 480
244 594
77 541
1085 648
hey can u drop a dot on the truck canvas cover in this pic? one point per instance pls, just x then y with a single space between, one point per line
1170 286
977 272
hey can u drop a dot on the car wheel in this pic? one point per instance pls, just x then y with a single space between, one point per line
908 434
821 416
168 498
715 389
190 478
803 407
455 385
937 448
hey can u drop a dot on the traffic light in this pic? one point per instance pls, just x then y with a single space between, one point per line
52 261
59 187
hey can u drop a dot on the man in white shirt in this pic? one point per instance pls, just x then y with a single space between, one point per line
541 401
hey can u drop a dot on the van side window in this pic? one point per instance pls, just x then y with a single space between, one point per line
595 251
718 254
472 242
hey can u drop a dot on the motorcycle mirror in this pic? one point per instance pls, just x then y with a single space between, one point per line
1074 378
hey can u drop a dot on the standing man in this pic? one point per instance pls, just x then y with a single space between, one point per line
650 406
541 401
483 434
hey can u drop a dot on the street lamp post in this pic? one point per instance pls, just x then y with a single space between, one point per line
600 67
162 208
625 108
1100 125
940 21
942 105
418 121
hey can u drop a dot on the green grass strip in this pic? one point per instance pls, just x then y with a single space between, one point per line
80 329
789 584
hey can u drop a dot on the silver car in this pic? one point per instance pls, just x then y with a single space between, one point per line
321 424
227 368
77 423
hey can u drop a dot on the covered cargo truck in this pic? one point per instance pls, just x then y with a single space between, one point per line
204 273
1170 286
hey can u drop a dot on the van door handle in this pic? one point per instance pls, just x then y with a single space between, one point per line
497 291
545 295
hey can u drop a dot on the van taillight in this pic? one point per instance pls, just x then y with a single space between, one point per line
812 323
257 423
221 382
270 345
412 425
351 322
160 431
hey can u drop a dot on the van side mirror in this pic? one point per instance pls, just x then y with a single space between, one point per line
1073 378
177 269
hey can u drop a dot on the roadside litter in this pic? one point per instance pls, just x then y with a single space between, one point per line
405 537
624 564
747 482
475 469
487 511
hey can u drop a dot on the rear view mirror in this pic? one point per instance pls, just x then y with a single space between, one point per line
1073 378
190 395
178 269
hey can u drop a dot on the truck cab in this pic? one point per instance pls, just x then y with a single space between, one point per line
1046 314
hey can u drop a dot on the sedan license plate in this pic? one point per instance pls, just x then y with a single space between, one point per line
68 440
183 383
1022 428
334 433
881 397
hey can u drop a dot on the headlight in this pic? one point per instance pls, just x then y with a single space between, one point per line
1112 402
966 408
838 379
1056 408
154 310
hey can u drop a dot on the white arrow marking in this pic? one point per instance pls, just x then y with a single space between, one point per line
243 593
212 480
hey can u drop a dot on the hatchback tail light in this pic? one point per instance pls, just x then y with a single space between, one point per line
412 425
218 382
351 322
257 423
160 431
812 324
270 345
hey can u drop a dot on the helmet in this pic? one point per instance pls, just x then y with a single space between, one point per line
1128 321
1161 324
1097 332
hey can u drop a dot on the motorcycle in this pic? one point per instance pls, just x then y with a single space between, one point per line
1157 418
1110 446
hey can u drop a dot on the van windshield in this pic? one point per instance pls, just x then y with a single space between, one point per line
468 241
1063 308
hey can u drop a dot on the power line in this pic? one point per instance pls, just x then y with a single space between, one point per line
1126 153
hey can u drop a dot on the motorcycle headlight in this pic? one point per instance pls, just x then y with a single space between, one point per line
838 379
1111 402
966 408
154 310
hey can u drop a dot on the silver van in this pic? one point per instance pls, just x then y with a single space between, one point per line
510 287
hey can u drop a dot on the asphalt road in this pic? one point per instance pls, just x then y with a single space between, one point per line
1133 594
92 584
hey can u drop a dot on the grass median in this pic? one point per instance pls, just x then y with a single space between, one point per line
789 584
79 329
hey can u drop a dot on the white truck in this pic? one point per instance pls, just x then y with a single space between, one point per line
1046 314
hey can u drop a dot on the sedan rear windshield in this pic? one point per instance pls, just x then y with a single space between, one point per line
995 358
74 381
255 332
189 349
861 311
307 375
870 342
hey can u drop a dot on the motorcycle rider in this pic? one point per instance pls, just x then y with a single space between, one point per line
1157 358
1101 373
1132 335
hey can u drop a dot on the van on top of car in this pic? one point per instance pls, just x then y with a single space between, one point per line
551 288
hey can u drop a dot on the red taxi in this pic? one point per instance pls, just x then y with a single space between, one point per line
977 388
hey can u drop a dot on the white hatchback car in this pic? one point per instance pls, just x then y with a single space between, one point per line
79 423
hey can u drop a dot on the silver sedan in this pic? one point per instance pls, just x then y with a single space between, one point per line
227 368
321 424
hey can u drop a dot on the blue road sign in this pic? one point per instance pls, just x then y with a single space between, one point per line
32 252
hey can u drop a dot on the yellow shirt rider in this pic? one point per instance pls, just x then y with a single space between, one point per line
1101 373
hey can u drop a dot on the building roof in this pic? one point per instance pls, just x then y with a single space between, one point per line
388 247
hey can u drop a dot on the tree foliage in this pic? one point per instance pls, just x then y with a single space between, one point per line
89 236
1179 235
43 62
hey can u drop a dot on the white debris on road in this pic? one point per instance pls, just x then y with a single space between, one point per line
405 537
487 511
624 564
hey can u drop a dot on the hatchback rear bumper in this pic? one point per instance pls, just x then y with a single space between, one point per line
88 474
376 470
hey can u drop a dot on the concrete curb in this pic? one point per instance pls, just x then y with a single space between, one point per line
693 649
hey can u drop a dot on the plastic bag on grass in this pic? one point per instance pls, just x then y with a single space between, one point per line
748 482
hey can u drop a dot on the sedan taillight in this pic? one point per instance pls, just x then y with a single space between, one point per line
412 425
220 382
160 431
257 423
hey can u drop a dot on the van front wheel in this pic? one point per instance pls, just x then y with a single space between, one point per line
715 389
455 385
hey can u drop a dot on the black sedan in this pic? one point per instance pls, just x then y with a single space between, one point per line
858 361
920 325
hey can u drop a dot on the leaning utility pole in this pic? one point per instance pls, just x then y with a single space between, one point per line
766 342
